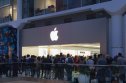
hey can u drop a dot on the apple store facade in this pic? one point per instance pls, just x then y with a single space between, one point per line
76 38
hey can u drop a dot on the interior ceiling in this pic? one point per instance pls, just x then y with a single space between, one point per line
87 45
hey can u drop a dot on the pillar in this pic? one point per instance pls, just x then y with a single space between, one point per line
19 40
18 45
116 35
124 35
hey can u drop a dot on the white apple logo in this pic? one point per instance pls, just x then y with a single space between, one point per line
54 35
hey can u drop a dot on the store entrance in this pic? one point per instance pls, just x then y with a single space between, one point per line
72 49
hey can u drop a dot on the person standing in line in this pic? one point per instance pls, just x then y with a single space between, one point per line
56 67
47 67
69 60
61 64
101 70
15 66
38 66
27 65
90 63
122 70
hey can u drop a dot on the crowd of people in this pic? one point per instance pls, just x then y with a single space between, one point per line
42 67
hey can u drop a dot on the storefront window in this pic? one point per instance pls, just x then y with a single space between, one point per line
53 51
44 6
28 8
85 2
89 2
104 0
4 2
74 4
61 5
40 7
6 14
14 10
50 6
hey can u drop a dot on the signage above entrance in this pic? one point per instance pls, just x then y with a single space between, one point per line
54 34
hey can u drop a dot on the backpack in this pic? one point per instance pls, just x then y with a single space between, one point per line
70 60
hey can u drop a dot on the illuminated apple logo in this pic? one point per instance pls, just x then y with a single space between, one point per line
54 35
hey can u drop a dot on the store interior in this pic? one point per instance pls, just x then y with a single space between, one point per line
73 49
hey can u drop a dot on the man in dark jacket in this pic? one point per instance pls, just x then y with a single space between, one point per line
69 60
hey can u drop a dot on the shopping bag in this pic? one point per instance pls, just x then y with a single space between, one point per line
75 75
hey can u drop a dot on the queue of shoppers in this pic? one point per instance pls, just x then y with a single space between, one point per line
61 66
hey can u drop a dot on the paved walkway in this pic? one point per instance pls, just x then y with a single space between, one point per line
29 80
21 82
35 82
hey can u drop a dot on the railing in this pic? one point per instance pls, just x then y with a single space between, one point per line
6 19
76 73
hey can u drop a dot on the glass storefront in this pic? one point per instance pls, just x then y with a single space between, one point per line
53 50
6 14
8 11
74 4
4 2
8 8
40 7
44 6
61 5
28 8
77 33
14 9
